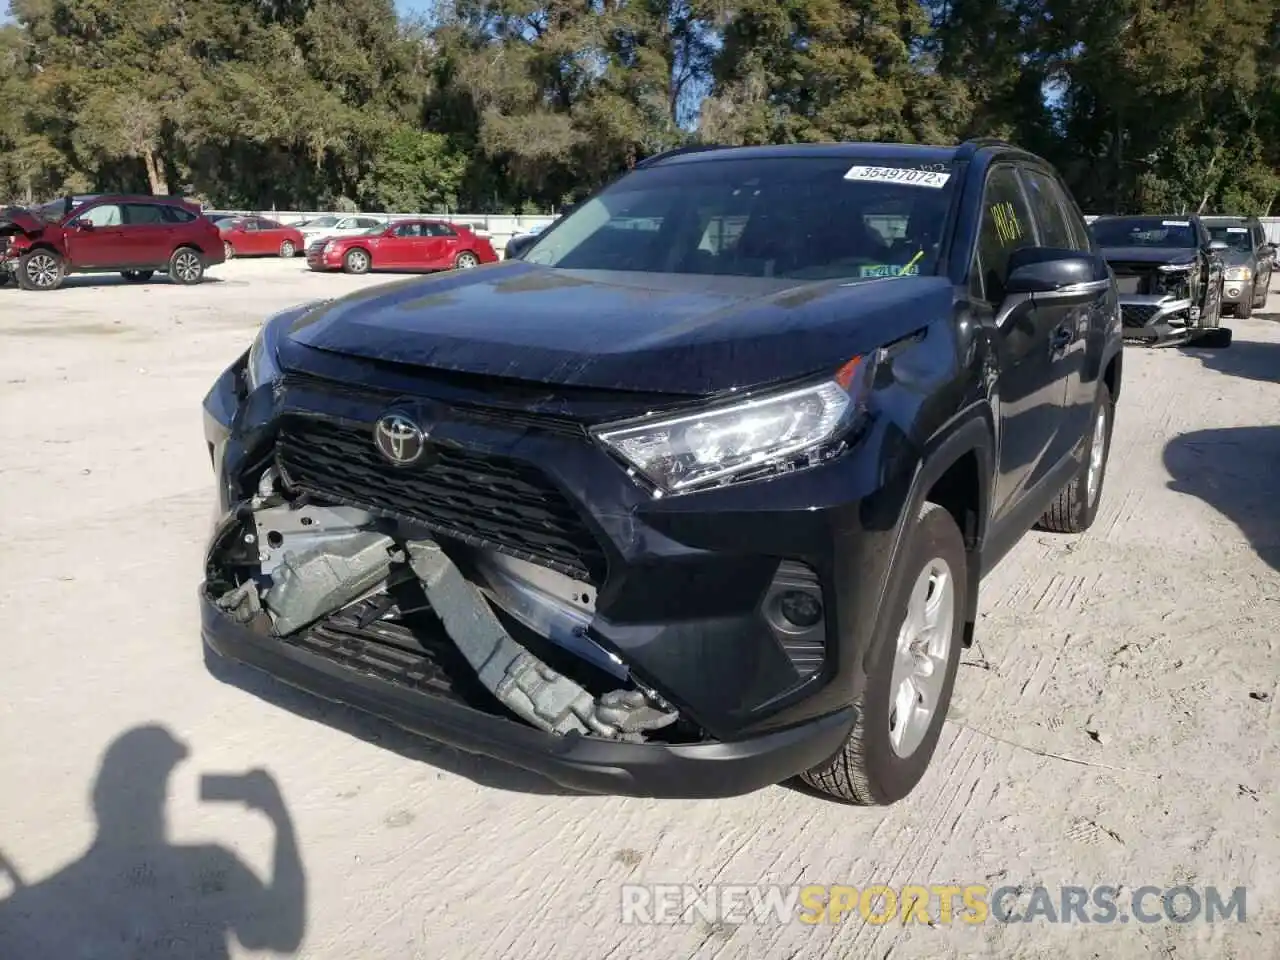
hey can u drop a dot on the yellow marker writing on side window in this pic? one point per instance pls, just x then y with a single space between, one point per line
913 261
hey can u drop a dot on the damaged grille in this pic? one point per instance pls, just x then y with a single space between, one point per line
1137 314
421 659
483 500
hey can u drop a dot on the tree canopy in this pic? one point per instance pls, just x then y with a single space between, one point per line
518 105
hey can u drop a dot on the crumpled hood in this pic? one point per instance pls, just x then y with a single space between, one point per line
682 334
1152 255
21 218
1237 258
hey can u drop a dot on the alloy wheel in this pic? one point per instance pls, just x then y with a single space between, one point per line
920 660
228 251
187 267
1097 456
286 249
357 261
42 270
466 261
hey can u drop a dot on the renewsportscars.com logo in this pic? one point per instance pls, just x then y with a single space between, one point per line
814 904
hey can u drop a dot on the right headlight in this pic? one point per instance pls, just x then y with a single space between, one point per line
1239 274
749 439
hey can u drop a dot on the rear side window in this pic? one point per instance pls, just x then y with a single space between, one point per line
440 230
177 215
366 223
1046 205
1006 227
143 214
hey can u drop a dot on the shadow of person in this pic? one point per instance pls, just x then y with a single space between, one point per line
133 895
1232 469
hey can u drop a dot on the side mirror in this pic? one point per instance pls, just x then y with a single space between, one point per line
516 246
1217 246
1038 270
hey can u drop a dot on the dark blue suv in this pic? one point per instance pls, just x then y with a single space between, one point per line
696 495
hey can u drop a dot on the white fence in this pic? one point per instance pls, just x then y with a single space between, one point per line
498 228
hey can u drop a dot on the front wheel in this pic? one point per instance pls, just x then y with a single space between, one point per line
466 260
1243 310
909 683
186 267
356 261
137 276
228 251
41 270
287 249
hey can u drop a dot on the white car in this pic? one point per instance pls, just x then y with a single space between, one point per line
330 227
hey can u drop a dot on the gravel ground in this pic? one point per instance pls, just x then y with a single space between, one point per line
1116 724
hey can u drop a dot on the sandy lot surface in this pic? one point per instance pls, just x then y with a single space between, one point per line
1117 723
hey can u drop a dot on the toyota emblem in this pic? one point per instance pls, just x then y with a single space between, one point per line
399 439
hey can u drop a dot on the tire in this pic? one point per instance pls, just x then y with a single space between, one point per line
1244 309
137 276
356 261
287 249
466 260
5 277
1077 505
228 251
186 266
1218 338
870 769
41 269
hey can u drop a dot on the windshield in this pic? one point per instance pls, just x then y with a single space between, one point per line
803 218
323 222
53 211
1145 232
1235 236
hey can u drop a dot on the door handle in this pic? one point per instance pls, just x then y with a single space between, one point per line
1060 338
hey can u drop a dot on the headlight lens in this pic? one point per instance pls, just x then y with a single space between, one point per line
746 440
1239 274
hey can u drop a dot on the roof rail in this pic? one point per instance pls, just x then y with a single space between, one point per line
967 149
677 151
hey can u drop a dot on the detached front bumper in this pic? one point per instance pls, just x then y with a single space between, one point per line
588 764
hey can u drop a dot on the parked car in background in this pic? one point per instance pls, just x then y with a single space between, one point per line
1249 261
522 242
329 226
259 237
404 245
1170 276
694 497
135 236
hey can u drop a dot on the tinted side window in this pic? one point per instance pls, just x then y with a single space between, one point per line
1006 227
1048 211
177 215
409 230
365 223
1080 239
441 230
143 214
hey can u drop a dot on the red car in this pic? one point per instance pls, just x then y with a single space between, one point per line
135 236
258 237
404 245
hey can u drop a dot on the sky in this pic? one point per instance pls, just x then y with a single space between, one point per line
410 8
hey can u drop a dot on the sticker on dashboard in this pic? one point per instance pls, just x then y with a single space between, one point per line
1175 223
889 270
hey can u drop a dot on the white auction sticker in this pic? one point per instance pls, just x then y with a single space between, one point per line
1175 223
1237 229
914 178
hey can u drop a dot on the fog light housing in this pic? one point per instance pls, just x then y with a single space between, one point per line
794 609
800 609
1233 291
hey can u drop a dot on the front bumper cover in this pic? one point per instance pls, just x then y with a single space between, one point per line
586 764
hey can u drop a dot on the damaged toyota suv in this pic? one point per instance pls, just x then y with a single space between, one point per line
696 496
